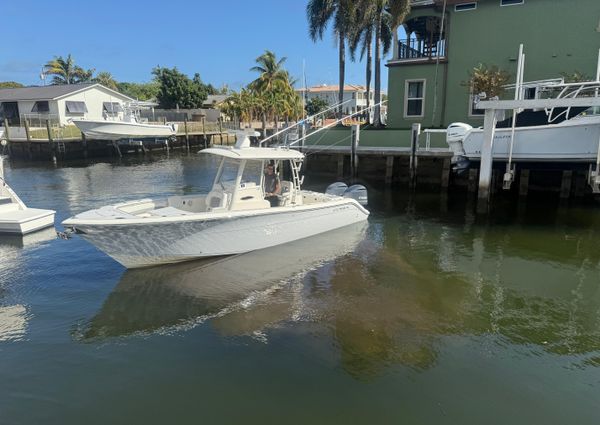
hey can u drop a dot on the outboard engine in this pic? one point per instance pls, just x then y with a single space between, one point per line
337 189
359 193
455 136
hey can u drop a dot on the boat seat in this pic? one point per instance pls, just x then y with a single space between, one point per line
216 200
168 212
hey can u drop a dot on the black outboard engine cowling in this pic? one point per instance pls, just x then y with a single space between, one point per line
359 193
337 189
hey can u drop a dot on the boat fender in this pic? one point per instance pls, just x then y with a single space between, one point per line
359 193
337 189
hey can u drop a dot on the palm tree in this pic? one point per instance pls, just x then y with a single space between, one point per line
362 37
271 80
391 14
106 79
381 19
66 72
341 13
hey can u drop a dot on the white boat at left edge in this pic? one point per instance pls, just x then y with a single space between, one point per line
15 216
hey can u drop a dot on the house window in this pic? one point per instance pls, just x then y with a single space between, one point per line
78 108
530 93
112 108
511 2
10 112
41 106
414 98
465 6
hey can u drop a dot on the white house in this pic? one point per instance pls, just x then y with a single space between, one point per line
60 103
355 96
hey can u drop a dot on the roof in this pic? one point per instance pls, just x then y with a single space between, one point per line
254 153
215 99
326 88
48 92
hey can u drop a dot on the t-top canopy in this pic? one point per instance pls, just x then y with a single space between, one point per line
255 153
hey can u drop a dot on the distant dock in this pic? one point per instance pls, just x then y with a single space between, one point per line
57 144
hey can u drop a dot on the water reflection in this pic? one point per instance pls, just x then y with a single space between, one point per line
13 322
386 301
159 298
13 249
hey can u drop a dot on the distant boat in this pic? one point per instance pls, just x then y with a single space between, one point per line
15 217
128 127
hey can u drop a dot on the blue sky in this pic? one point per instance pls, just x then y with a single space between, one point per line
218 39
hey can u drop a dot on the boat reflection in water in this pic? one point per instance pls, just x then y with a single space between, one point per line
14 318
173 297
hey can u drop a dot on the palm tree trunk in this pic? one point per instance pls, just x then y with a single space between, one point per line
342 61
369 71
377 114
264 125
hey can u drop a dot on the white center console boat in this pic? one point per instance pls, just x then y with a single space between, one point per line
233 218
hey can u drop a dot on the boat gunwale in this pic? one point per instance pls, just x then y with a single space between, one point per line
211 216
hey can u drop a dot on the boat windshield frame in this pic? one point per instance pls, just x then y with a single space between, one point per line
232 186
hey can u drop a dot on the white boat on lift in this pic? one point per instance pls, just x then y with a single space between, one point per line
232 218
543 135
124 124
15 216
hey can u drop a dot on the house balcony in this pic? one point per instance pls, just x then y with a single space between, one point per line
413 51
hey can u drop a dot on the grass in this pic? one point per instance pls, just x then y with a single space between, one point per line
67 132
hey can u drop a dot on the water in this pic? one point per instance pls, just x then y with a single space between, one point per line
427 315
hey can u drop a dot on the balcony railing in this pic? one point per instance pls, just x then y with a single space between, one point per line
420 49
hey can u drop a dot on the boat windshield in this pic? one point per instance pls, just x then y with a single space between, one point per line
228 173
253 172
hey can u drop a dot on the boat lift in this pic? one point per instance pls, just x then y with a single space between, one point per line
569 97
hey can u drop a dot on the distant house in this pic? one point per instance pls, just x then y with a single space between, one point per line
60 103
214 100
355 96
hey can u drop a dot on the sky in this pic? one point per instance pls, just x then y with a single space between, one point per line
217 39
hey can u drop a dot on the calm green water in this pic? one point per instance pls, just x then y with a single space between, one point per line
427 315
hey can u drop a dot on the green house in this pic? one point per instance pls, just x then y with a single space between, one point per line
445 40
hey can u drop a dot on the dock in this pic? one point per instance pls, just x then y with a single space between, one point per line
53 143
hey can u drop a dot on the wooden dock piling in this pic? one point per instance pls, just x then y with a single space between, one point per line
523 183
389 170
565 187
414 147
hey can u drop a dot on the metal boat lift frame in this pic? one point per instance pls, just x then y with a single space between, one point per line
491 108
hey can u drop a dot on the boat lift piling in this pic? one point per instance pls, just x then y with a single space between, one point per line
509 175
414 147
354 155
492 107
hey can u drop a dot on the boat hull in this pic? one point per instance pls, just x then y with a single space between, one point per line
22 222
116 130
146 244
575 140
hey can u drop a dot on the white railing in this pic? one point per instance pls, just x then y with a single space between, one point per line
428 132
